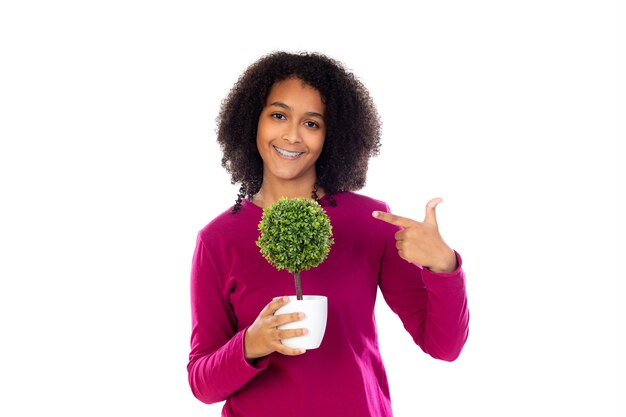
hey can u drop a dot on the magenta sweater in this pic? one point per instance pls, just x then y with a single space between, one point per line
231 283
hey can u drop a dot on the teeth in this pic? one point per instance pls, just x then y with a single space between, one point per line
287 153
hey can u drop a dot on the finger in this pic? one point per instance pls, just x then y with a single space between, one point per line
274 305
431 215
399 235
289 333
281 319
402 255
393 219
280 348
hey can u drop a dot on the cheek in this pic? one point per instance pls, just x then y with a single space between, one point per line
260 129
262 134
315 141
261 143
258 140
268 132
320 144
320 147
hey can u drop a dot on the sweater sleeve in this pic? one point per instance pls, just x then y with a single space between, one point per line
217 367
432 306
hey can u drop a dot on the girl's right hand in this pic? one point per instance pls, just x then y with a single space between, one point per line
263 337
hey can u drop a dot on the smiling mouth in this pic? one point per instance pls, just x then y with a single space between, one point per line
287 154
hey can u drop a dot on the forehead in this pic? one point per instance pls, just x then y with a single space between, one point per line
296 94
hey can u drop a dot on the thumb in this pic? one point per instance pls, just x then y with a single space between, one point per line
431 215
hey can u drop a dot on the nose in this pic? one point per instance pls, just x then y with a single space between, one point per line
292 133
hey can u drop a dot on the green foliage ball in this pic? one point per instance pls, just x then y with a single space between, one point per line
296 234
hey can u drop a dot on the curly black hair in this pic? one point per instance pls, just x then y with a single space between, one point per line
353 126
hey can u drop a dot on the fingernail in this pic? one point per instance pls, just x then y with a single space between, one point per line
285 299
302 351
301 316
305 331
375 213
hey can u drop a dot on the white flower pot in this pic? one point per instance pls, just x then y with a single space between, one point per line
315 309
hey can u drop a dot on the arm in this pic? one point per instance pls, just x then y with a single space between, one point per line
432 306
217 367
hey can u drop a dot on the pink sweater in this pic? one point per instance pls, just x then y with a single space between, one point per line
231 283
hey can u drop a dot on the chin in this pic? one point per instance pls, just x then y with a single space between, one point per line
288 175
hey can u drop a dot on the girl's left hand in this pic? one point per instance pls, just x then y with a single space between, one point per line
420 242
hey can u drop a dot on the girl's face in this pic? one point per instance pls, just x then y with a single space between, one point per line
291 131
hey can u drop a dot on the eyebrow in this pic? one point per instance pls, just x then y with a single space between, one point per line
286 107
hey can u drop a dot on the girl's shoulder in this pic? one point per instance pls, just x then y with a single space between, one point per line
229 223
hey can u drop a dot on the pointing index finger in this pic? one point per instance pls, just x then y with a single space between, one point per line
393 219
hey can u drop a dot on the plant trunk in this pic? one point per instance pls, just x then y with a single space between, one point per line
296 276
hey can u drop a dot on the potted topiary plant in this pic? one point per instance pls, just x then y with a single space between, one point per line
296 235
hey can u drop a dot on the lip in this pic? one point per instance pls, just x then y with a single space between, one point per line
287 154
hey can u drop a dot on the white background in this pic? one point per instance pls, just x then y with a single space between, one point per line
109 167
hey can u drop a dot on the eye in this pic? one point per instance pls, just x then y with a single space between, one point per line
311 124
278 116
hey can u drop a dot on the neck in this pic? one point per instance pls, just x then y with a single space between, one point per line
272 191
